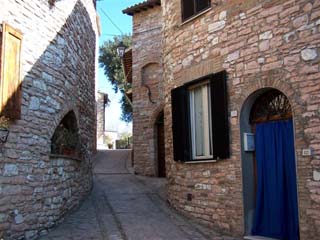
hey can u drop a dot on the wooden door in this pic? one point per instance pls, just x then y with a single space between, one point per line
160 147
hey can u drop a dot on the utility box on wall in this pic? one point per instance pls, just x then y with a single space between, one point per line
248 142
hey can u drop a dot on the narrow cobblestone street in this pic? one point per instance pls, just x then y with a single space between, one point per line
125 206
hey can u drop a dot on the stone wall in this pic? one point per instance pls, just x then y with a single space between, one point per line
260 44
147 77
58 76
101 105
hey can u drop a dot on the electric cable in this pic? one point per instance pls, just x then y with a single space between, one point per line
115 25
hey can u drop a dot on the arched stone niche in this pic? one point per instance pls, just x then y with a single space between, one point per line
151 77
65 139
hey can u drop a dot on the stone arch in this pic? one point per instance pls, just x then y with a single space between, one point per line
277 79
271 79
151 78
253 94
146 72
151 59
66 136
147 61
155 114
68 107
153 140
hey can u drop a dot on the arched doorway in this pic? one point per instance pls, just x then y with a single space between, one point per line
269 168
160 151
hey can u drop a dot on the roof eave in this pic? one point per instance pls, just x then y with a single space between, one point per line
144 6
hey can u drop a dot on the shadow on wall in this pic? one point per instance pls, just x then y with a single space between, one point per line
60 81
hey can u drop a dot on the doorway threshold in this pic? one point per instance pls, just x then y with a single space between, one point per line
258 238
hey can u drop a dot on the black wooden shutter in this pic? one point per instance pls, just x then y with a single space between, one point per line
187 8
220 122
202 4
180 124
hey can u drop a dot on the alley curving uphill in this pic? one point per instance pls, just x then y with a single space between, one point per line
123 206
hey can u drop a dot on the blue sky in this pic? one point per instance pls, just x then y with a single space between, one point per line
113 8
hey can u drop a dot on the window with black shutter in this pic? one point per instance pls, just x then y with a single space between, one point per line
200 119
180 123
193 7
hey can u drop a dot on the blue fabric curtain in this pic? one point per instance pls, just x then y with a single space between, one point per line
276 213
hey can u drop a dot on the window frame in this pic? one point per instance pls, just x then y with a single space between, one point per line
207 121
195 12
181 127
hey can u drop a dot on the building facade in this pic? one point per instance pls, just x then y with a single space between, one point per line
48 57
234 73
102 101
147 88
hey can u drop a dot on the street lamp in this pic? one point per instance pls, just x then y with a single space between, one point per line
121 49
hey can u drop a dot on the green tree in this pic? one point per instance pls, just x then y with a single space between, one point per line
112 66
125 135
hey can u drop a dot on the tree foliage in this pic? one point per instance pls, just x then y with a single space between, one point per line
125 135
112 66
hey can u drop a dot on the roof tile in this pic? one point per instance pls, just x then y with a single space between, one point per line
141 7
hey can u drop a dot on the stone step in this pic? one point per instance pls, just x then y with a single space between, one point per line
258 238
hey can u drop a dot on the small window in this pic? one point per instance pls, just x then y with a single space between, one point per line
193 7
200 118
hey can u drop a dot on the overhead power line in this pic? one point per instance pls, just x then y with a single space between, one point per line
110 34
115 25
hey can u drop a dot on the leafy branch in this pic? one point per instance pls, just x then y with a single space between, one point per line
112 66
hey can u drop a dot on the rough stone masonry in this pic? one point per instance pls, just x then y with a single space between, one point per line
101 103
58 76
147 88
259 44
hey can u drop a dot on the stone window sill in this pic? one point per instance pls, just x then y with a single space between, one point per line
200 161
258 238
195 16
65 156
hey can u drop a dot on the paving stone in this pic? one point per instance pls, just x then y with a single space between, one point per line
58 54
123 206
262 44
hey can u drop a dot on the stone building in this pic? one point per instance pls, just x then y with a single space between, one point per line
102 101
48 56
241 112
147 88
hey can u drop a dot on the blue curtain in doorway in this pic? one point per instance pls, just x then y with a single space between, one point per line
276 213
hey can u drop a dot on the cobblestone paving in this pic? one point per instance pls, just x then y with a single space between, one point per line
123 206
